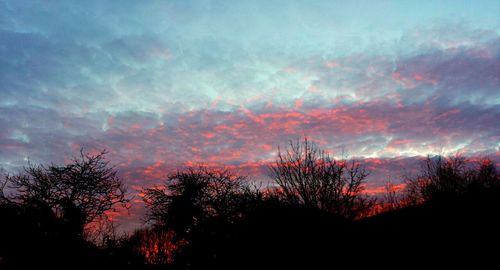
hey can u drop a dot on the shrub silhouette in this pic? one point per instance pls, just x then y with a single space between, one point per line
450 215
443 179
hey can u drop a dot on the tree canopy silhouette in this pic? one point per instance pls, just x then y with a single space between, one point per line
78 192
194 208
188 197
203 217
309 176
445 178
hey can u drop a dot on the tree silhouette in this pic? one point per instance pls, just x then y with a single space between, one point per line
446 178
188 197
308 176
485 175
194 207
450 210
213 218
78 193
3 197
155 245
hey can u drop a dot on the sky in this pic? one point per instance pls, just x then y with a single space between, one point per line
167 84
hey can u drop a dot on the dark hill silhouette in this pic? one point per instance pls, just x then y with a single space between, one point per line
463 229
282 236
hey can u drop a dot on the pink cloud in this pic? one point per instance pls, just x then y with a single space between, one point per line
331 64
298 103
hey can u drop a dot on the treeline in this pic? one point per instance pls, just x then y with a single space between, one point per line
315 214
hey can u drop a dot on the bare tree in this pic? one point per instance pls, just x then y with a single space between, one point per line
79 192
394 198
308 176
443 178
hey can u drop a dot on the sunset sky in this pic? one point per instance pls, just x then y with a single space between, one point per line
167 84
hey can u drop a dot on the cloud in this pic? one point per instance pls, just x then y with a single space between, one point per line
168 84
441 99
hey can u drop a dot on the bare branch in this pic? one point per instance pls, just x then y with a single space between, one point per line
308 175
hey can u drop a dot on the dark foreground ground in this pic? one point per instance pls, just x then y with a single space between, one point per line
462 231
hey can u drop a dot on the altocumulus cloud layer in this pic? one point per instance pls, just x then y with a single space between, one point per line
163 84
